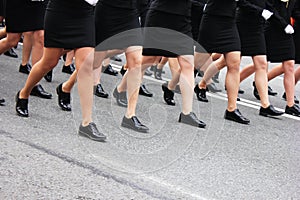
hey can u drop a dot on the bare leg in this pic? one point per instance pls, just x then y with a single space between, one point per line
84 58
232 78
69 58
289 81
246 72
186 82
276 71
27 47
37 46
47 63
176 70
9 41
261 79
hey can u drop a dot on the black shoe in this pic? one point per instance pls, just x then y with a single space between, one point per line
148 72
215 78
201 94
25 68
11 53
144 91
48 76
2 101
200 73
294 110
121 98
213 88
109 70
123 70
191 119
64 99
134 124
99 91
21 106
90 131
295 98
255 92
157 73
39 91
116 58
168 95
236 116
69 69
271 92
269 111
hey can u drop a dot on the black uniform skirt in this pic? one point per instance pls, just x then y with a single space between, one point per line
24 15
252 38
218 34
116 28
196 16
280 46
297 42
69 24
168 35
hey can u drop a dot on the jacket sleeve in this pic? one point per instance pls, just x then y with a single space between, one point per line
270 5
250 6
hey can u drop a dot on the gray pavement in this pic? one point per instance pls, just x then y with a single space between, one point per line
42 157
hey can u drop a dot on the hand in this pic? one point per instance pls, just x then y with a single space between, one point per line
289 29
266 14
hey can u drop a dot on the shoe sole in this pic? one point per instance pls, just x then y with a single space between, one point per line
228 118
199 126
138 130
269 115
95 139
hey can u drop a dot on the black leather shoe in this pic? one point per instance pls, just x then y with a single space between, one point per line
295 98
269 111
255 91
48 76
21 106
25 68
236 116
2 101
271 92
177 89
294 110
64 99
123 70
116 58
144 91
168 95
157 73
191 119
69 69
213 88
11 53
201 94
99 91
148 72
121 98
39 91
134 124
109 70
90 131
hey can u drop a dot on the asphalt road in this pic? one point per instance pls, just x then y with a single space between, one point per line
42 157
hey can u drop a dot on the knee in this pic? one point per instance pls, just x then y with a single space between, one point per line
134 62
288 66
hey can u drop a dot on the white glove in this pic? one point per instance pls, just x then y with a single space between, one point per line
204 7
289 29
266 14
92 2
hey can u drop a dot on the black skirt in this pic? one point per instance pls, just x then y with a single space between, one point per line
167 34
297 42
218 34
69 24
252 38
116 28
24 15
280 46
196 16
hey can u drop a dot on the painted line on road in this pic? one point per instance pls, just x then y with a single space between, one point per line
219 95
